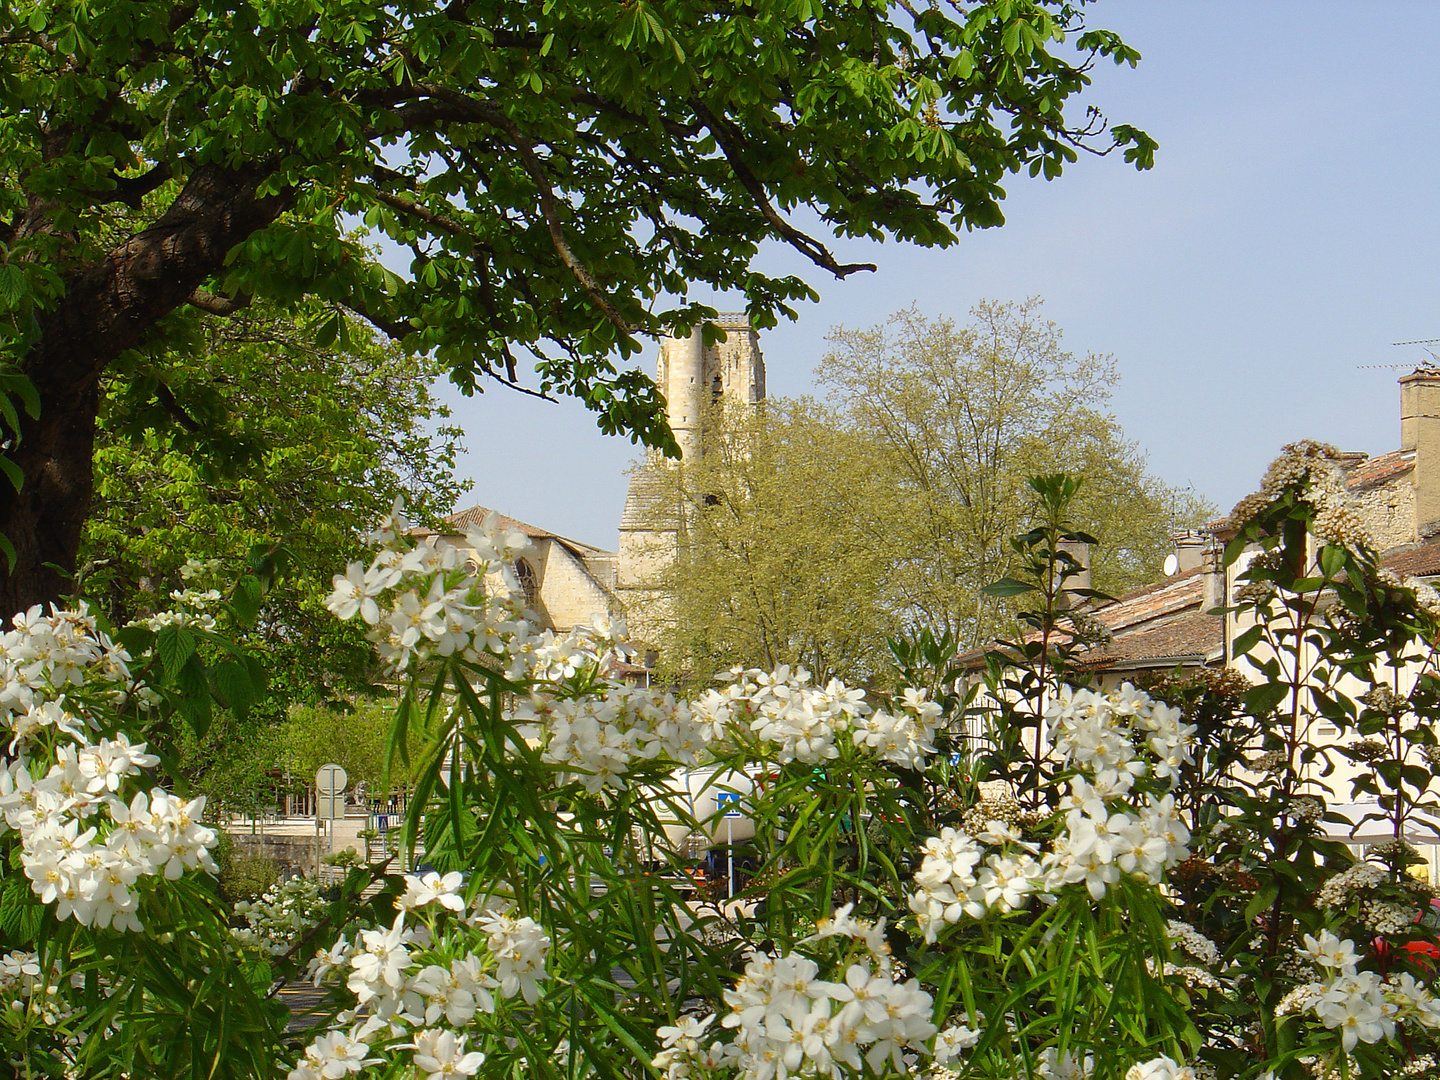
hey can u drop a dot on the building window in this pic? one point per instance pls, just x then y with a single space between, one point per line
529 584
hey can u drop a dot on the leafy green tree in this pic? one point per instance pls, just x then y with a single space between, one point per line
551 167
352 735
961 417
812 531
782 549
255 438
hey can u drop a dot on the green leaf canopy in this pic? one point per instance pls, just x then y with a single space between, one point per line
554 170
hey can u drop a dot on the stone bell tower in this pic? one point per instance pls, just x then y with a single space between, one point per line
691 377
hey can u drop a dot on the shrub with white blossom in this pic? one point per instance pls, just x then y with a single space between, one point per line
107 860
1109 889
281 915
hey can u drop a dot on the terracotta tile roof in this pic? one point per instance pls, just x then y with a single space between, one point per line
1161 622
1175 593
1422 561
1186 636
1375 471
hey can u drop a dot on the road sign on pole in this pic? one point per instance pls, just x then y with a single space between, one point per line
730 799
330 792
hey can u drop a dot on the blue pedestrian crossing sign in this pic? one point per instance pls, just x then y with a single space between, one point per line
730 799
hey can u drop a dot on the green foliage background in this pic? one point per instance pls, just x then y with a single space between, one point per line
813 530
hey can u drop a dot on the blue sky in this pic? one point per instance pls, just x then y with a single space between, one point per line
1246 286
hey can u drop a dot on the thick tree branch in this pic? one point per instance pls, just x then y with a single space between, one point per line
808 246
218 305
175 409
484 112
112 303
394 329
131 190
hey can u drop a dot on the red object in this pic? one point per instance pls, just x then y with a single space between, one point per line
1429 950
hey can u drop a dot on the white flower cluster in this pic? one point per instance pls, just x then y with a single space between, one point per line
426 597
519 947
597 738
25 990
55 670
83 847
1057 1066
1385 918
1113 740
790 1022
1193 942
1106 736
1339 891
805 722
1317 467
189 609
418 985
281 916
1198 946
1160 1068
952 883
1363 1005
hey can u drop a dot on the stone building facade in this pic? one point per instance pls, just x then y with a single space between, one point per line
692 377
566 582
1167 625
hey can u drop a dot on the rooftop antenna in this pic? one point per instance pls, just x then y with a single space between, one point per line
1434 357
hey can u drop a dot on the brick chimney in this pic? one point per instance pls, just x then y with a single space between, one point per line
1080 552
1420 431
1198 549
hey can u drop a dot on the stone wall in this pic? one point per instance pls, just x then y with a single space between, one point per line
293 854
569 593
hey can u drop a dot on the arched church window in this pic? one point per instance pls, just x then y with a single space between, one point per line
529 583
716 389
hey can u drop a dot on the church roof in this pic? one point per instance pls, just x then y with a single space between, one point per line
474 517
645 501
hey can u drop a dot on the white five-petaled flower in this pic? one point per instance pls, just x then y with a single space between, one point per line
431 888
441 1055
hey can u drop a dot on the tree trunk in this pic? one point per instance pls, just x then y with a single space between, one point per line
109 306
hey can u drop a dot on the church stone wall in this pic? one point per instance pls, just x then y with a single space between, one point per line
570 594
690 377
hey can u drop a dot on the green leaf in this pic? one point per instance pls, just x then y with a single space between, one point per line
1007 586
12 472
13 286
234 686
1246 640
175 645
246 599
1263 699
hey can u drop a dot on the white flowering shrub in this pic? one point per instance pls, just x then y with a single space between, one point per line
1118 818
103 861
1112 888
441 976
786 1017
281 916
558 935
92 824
